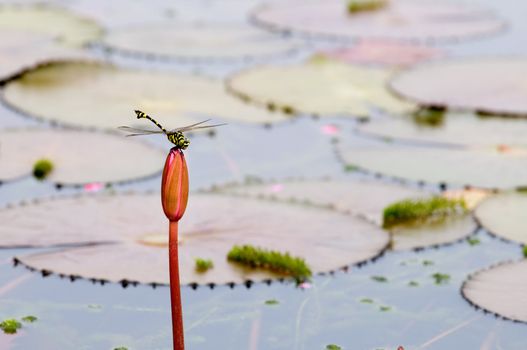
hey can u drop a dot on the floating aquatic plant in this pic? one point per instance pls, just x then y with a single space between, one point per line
429 117
29 319
441 278
381 279
384 308
272 302
333 347
525 251
42 169
275 261
355 6
413 284
415 210
473 241
10 326
203 265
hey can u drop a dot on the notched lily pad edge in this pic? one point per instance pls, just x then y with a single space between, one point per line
347 39
490 232
255 181
480 308
60 185
481 112
443 186
99 62
194 285
157 57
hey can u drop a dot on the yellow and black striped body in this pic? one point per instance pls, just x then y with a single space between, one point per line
176 138
179 140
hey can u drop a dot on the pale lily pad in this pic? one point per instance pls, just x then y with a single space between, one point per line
319 87
173 99
384 53
489 168
367 199
500 289
491 86
22 50
133 233
403 20
77 157
199 42
66 27
456 130
433 234
504 216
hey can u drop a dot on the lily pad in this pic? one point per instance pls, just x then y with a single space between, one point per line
433 234
366 199
199 42
132 234
490 86
402 20
384 53
173 99
500 289
22 50
488 168
504 216
319 87
456 130
361 197
66 27
78 157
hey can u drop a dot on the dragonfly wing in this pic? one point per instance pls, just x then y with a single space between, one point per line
188 127
139 131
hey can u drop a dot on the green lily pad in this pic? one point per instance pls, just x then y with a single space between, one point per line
403 20
504 216
491 86
198 42
324 88
132 233
77 157
64 26
499 289
173 99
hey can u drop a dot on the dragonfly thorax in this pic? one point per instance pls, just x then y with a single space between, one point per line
179 140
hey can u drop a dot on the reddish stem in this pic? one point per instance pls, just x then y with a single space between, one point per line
175 292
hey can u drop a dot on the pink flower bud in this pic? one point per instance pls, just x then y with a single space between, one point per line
174 185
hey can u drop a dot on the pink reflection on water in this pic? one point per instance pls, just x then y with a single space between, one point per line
276 188
330 129
305 285
93 187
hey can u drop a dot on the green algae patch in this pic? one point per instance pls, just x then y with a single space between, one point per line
203 265
357 6
421 210
42 168
429 117
274 261
10 326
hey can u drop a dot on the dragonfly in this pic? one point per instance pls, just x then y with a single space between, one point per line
175 136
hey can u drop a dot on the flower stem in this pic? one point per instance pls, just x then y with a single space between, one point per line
175 292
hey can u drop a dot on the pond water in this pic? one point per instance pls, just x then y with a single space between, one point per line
350 309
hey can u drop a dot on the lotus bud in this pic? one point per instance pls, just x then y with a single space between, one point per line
174 185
